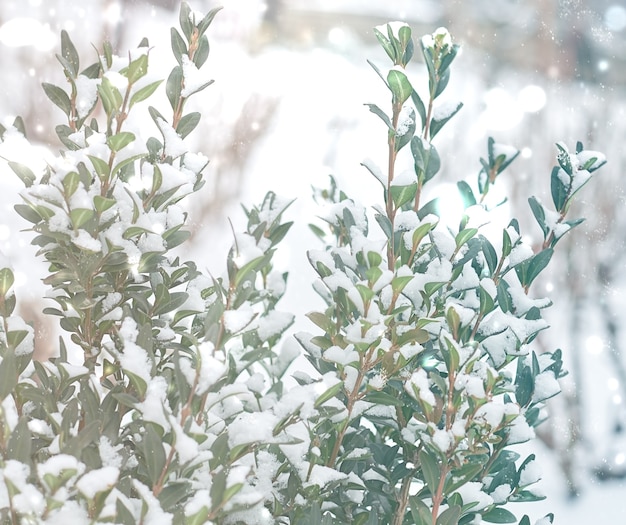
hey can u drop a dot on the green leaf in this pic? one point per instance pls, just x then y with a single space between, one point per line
70 183
174 493
173 86
486 302
187 124
539 213
462 476
524 386
378 397
437 124
430 469
184 19
80 216
381 114
23 172
399 85
64 132
102 204
558 189
8 374
69 53
466 194
20 443
206 21
465 235
384 223
419 105
329 394
450 516
399 282
426 158
58 97
153 453
489 253
199 518
28 212
499 515
123 515
420 513
529 269
386 44
144 93
110 96
137 69
88 435
6 281
179 48
121 140
202 53
403 194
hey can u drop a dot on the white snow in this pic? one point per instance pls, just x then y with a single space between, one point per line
237 320
273 323
87 93
531 473
174 145
546 386
504 149
419 381
472 492
97 480
445 109
193 78
83 239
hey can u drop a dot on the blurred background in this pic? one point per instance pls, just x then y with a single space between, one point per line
287 110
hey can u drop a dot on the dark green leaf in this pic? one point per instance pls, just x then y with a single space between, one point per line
69 53
187 124
206 21
437 124
153 453
27 212
8 374
430 469
58 97
381 114
383 398
328 394
80 216
184 19
137 69
539 213
202 53
23 172
450 516
6 281
464 236
499 515
20 442
466 194
174 86
144 93
121 140
403 194
426 158
559 189
386 44
399 85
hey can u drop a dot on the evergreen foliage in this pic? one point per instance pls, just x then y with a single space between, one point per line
180 411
